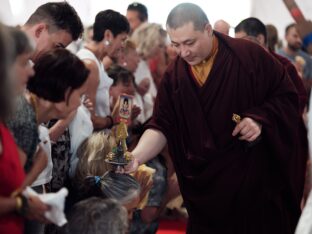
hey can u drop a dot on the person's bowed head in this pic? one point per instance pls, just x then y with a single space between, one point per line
59 82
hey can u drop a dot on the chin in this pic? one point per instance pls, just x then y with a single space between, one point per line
193 63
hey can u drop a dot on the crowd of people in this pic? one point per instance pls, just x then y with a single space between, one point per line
218 121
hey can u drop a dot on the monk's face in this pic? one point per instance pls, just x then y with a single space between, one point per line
192 45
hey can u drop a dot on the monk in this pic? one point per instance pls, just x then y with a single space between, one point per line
235 177
253 29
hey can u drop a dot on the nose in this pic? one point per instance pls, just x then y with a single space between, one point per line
184 52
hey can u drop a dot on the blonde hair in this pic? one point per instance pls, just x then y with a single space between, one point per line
129 45
147 38
92 153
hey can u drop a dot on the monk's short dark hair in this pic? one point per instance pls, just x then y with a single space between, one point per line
252 27
109 20
185 13
56 72
60 15
141 9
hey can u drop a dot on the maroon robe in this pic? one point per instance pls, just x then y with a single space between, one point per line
303 144
295 78
229 186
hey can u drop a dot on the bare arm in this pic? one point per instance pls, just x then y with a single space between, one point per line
93 83
39 164
22 156
151 143
107 62
60 126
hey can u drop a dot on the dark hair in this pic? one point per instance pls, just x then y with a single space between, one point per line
96 216
109 20
5 63
288 27
126 100
252 27
120 74
55 73
140 8
21 42
60 15
185 13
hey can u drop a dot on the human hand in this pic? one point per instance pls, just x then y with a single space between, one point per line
249 129
143 87
115 110
88 104
145 180
132 166
36 210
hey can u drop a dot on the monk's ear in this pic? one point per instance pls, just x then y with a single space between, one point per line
208 29
261 39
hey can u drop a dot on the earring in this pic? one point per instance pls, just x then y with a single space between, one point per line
124 64
107 43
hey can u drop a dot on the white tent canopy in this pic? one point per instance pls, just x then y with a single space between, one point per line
14 12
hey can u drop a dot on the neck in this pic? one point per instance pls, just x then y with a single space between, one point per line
211 50
290 51
44 110
97 48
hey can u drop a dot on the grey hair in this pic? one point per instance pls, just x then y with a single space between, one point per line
97 216
122 187
185 13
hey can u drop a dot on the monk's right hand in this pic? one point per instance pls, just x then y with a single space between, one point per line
132 166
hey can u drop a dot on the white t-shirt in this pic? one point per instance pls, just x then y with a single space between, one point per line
46 175
102 107
80 128
138 101
143 72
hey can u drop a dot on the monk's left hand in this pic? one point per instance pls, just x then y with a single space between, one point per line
249 130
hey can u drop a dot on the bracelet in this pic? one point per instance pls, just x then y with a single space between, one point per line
19 203
112 121
307 40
